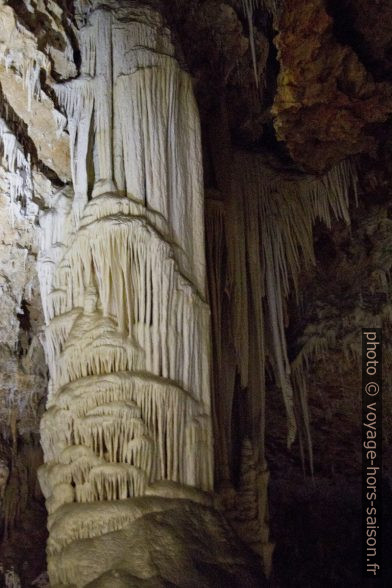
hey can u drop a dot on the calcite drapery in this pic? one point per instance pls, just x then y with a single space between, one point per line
122 275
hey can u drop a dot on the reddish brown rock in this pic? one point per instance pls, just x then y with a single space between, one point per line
326 103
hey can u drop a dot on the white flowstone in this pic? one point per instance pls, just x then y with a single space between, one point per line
122 274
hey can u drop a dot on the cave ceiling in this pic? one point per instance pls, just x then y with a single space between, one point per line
307 82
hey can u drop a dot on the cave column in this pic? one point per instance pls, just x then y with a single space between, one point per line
123 286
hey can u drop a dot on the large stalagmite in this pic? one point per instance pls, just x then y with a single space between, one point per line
122 277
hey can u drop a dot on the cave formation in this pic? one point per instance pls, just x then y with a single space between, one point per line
195 227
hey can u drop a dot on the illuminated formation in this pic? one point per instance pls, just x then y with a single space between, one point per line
122 275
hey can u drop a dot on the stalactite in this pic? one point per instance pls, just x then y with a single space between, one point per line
223 361
248 7
259 239
17 166
286 212
28 62
261 233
